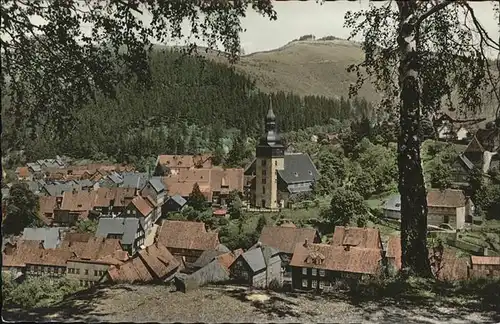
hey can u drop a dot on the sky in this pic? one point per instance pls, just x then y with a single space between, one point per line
297 18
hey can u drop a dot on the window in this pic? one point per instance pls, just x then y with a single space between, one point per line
77 271
263 163
263 189
314 272
304 271
314 284
321 284
263 180
95 273
276 163
304 283
322 272
86 271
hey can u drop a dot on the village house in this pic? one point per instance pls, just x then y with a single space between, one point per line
50 236
16 254
354 253
449 206
142 209
136 180
484 267
173 204
172 164
257 267
186 240
91 259
113 201
155 191
127 229
153 264
215 183
23 174
73 206
284 238
277 177
210 268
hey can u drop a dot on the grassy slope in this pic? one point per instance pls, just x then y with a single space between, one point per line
311 68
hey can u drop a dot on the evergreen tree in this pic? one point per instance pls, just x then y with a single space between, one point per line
22 209
260 224
237 154
196 199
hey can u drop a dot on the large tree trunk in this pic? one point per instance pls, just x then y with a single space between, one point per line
415 259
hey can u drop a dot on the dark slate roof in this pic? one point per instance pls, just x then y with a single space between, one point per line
179 200
466 162
49 235
213 272
134 180
85 183
298 168
393 203
58 189
206 257
258 257
33 186
157 184
34 166
127 226
222 248
115 177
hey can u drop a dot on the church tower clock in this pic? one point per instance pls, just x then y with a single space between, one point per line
270 156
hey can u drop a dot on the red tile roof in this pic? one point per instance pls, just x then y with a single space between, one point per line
446 198
187 235
155 262
142 205
484 260
336 258
368 238
285 239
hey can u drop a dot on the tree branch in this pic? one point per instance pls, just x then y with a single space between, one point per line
431 11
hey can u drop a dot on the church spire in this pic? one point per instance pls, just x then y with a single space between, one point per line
270 118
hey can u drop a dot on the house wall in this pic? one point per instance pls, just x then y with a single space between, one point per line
394 214
314 279
65 217
266 190
190 255
86 273
485 267
437 215
35 270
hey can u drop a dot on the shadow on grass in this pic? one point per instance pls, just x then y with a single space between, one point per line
473 301
79 307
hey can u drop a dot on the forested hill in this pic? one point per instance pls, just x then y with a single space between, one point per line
190 99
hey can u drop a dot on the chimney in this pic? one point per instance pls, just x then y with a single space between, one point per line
306 243
41 245
74 190
259 244
485 251
347 247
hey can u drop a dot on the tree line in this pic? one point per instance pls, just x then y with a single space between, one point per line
192 105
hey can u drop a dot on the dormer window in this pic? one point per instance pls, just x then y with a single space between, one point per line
310 172
296 174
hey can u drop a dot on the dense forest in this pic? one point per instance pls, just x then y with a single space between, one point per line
193 104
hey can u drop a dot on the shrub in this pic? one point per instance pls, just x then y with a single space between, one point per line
275 285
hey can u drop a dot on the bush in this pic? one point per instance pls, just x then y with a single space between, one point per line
38 292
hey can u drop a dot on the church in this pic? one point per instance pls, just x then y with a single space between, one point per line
275 176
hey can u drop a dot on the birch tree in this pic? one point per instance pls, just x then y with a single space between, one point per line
422 57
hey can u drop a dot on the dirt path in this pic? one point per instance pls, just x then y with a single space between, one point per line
158 304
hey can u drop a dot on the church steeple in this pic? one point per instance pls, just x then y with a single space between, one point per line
270 143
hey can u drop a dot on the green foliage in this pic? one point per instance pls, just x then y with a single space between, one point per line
37 292
238 154
87 226
332 168
76 67
194 106
261 223
235 205
485 195
346 206
22 209
196 199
